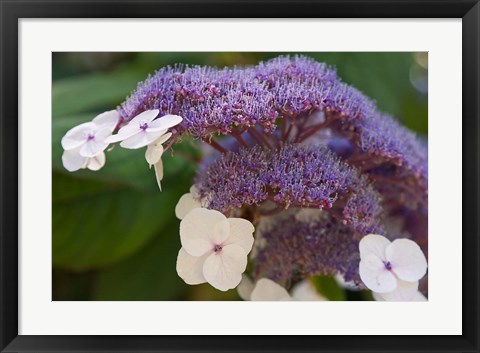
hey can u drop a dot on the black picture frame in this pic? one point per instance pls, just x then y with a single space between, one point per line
12 11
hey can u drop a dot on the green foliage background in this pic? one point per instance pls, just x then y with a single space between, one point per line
115 236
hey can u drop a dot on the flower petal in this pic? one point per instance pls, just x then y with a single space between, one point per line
92 148
196 230
145 117
72 160
306 291
245 287
97 162
159 173
108 119
190 268
407 260
154 153
223 270
77 136
241 233
162 139
164 122
373 244
375 276
124 133
220 233
185 205
268 290
155 150
405 292
140 139
133 127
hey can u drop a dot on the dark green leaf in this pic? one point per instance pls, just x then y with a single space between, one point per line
96 224
148 275
327 286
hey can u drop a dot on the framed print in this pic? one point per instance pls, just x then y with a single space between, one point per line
233 176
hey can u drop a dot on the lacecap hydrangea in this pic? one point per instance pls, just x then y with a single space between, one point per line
307 159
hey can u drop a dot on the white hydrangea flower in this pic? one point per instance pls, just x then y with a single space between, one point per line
391 268
214 248
267 290
85 144
187 202
145 130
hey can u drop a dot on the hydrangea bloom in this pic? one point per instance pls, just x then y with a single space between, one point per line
239 100
306 158
292 176
84 144
214 248
391 269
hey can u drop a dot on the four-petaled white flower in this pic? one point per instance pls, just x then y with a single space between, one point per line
267 290
187 202
391 269
84 144
145 130
214 248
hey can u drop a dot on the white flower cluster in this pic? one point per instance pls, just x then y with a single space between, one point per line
392 269
85 144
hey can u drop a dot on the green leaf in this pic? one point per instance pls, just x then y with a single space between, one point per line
328 287
148 275
97 91
96 224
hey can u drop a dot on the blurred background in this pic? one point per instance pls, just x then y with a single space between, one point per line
115 236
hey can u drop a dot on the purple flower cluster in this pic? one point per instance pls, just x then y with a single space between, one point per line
290 134
292 176
233 100
294 249
219 100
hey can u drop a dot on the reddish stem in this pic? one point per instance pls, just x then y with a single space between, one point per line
215 145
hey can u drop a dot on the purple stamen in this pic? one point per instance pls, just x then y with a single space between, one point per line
388 265
217 248
90 137
144 126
